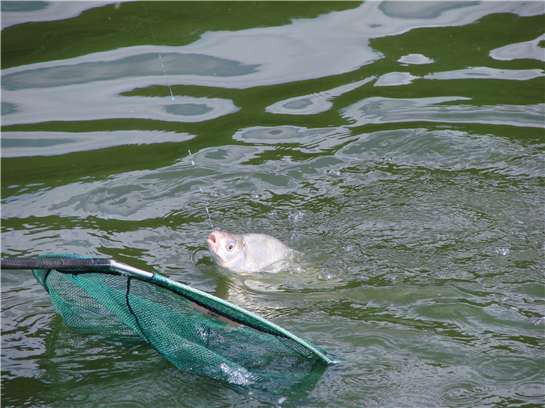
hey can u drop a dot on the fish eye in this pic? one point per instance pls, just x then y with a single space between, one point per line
230 246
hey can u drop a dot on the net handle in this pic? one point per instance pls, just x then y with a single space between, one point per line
58 263
71 264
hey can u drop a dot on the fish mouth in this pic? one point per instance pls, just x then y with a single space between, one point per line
212 240
213 243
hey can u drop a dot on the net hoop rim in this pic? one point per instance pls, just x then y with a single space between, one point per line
65 264
183 289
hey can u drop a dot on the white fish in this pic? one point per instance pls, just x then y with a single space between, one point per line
248 252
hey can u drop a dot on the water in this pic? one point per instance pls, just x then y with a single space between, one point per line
399 146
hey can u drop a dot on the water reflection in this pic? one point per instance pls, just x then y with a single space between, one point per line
391 110
89 87
19 144
17 12
15 6
8 108
524 50
188 109
414 59
315 103
307 140
91 102
141 65
449 150
395 79
488 73
423 9
23 326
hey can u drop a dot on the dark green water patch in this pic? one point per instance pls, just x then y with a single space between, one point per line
110 225
98 164
466 46
143 23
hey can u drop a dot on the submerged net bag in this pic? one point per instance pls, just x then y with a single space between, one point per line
195 331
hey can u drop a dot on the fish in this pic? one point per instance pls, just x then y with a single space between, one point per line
249 253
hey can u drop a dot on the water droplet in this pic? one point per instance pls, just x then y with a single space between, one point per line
537 320
503 251
296 216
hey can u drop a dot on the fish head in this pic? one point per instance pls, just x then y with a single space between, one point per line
226 248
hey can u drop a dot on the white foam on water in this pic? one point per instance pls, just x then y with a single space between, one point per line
237 376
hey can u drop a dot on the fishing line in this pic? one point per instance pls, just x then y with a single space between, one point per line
164 72
191 156
161 62
200 189
209 218
165 75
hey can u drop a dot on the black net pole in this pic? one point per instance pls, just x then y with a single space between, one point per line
58 263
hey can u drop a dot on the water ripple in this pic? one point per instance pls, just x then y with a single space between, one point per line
510 369
421 246
393 110
314 103
488 73
19 144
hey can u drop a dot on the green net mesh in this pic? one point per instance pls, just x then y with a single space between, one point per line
193 332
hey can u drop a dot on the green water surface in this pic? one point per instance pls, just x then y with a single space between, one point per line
415 190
